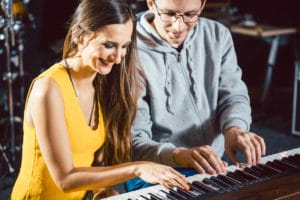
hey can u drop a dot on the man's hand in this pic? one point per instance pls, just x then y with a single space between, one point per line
252 145
203 159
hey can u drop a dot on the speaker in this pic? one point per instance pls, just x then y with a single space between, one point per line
296 101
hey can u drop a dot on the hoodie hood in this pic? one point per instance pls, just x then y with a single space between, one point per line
149 38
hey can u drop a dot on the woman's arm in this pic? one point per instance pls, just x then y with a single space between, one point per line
45 111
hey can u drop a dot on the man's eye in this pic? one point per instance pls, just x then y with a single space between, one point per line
190 15
170 14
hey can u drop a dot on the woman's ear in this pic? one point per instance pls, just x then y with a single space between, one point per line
78 40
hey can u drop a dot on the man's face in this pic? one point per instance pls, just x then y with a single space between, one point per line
175 31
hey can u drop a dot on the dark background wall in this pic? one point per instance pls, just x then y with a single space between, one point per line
51 17
42 44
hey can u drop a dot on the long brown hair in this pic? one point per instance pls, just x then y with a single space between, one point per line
117 91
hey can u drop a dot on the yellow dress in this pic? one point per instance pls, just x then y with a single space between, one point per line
34 180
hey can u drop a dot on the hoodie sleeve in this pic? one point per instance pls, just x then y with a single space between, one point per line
233 100
143 146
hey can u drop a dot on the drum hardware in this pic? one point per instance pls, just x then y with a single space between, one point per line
12 28
10 167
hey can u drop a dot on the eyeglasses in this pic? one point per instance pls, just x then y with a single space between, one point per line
172 17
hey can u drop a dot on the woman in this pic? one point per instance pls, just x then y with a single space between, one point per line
86 101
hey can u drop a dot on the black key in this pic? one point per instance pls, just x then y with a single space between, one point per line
297 156
213 183
177 195
194 188
154 197
270 169
220 181
281 165
203 187
246 175
185 193
236 177
145 197
294 160
290 161
289 166
228 180
254 172
265 171
168 195
276 166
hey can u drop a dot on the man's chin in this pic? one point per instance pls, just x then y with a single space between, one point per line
175 43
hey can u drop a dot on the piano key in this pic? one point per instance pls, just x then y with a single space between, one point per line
155 197
177 195
213 183
185 193
246 175
254 172
236 177
194 188
228 180
290 161
169 196
270 169
221 182
276 166
287 165
266 172
203 187
143 197
294 160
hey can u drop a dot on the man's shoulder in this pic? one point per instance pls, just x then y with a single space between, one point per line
211 23
212 27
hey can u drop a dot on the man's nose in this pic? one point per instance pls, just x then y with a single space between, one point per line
179 24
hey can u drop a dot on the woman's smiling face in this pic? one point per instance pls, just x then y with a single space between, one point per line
106 48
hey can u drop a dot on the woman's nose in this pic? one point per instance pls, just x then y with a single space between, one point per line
115 57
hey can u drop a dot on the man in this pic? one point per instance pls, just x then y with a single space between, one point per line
195 105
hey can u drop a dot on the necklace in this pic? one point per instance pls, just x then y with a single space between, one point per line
94 99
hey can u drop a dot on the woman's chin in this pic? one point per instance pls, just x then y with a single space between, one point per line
104 70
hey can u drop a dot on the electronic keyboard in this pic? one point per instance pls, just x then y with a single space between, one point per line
277 176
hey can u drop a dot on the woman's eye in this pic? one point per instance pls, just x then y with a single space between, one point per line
109 45
125 46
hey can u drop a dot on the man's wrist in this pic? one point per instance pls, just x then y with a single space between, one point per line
234 129
176 152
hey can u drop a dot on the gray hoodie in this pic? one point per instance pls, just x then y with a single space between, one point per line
192 95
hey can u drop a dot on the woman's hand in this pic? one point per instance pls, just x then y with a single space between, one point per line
164 175
104 192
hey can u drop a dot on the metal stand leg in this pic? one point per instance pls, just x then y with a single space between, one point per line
270 67
10 167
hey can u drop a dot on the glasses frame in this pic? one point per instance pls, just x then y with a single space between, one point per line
176 15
